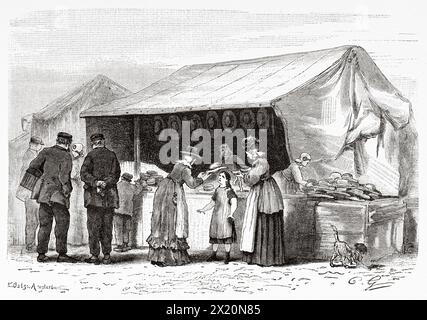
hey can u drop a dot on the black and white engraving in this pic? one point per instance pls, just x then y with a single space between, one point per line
221 153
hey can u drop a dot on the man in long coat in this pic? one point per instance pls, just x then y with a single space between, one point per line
100 172
53 195
31 205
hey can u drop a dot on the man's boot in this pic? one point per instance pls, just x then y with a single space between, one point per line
227 258
106 259
65 258
42 258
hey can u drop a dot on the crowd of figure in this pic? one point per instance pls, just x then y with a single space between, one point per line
109 202
60 169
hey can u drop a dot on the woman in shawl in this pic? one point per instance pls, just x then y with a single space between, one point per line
292 178
169 221
262 240
77 219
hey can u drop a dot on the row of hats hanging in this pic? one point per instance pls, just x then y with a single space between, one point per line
247 119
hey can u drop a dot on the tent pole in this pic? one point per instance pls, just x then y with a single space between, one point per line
136 146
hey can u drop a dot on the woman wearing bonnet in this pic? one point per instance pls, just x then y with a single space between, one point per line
169 222
292 178
77 219
262 240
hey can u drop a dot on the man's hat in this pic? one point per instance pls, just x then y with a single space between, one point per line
36 140
97 136
127 176
65 135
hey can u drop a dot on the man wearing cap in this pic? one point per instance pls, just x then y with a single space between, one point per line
31 207
53 195
100 172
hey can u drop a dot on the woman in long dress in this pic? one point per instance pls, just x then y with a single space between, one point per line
262 240
292 178
79 234
169 222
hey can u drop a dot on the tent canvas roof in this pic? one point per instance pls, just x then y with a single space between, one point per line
332 101
254 83
224 84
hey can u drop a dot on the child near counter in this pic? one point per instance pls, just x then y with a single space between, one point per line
224 203
123 215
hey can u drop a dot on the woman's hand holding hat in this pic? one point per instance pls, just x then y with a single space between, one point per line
203 175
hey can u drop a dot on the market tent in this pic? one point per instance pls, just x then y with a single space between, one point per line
333 103
62 114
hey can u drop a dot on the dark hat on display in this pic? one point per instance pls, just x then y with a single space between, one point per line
97 136
65 135
127 176
36 140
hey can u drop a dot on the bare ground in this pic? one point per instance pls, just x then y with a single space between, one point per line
132 275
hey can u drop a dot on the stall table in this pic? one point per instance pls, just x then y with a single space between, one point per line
308 232
378 224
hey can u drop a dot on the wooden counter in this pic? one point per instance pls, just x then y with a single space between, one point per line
378 224
308 231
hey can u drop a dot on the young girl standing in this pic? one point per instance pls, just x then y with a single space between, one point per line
224 203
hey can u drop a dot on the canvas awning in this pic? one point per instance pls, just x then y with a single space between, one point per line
253 83
298 87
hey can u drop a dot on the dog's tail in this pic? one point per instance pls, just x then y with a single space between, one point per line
335 232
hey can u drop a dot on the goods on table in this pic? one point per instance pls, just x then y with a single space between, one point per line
144 176
208 187
341 187
151 177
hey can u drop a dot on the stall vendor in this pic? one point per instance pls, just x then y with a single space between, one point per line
292 177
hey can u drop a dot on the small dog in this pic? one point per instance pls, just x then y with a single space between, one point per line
344 255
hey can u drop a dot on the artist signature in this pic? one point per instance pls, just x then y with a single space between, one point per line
374 283
35 287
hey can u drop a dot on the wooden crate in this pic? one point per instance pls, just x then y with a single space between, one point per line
410 233
378 224
386 227
300 232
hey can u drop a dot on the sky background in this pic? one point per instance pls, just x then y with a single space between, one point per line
53 51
